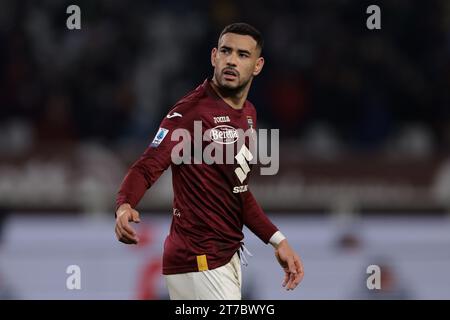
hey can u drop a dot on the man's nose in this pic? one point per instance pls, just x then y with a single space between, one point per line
231 60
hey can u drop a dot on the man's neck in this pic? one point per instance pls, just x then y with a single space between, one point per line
235 101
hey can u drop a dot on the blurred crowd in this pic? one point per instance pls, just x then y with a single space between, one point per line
77 107
328 80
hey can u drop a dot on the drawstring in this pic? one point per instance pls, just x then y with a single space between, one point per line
242 251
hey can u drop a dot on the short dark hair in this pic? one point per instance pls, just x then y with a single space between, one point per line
246 30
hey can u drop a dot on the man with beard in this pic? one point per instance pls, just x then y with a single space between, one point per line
212 202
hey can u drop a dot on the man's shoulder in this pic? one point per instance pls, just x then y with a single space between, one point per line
191 101
251 107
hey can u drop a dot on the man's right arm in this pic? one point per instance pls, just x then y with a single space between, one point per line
124 232
153 162
140 177
143 174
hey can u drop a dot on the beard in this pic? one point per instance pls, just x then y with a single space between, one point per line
230 89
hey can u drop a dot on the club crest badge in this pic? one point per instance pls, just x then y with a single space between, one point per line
250 122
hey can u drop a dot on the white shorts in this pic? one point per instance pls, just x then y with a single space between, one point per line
223 283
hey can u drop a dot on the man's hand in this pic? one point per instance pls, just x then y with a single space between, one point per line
124 232
291 264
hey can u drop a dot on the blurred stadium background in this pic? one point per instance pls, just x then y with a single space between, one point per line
364 119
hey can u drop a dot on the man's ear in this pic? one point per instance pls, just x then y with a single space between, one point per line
258 66
213 57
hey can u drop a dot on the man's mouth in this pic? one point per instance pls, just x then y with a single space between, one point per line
230 74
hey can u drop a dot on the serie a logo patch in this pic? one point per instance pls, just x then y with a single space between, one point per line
160 135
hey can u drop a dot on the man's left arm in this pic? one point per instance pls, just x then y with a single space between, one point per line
258 222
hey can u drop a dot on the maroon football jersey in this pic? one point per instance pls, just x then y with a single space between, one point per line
212 201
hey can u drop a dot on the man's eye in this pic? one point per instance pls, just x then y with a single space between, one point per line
243 55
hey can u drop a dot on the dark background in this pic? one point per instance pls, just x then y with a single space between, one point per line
364 120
